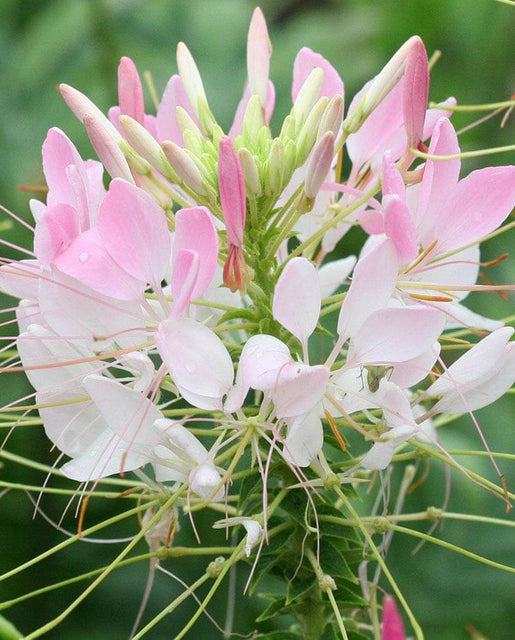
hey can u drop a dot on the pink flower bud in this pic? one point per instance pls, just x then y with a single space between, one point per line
391 627
319 165
259 50
130 91
415 92
232 192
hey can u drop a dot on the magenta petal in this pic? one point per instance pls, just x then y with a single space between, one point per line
479 204
297 298
305 62
135 232
399 227
130 91
196 231
391 627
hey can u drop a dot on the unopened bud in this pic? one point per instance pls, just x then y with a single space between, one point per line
184 166
138 164
288 128
215 568
253 120
146 145
154 188
327 583
259 49
107 147
237 274
250 171
206 118
308 95
190 131
319 165
275 175
308 134
332 118
190 77
290 160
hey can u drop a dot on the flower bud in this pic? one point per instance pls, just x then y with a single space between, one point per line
288 128
185 168
332 118
138 164
253 120
275 175
130 91
415 93
190 77
308 95
259 50
107 147
308 133
250 171
319 165
146 145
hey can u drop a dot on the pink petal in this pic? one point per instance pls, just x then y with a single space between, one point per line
128 413
333 274
58 153
297 299
392 182
304 439
232 192
261 359
305 61
54 232
130 91
135 232
88 261
104 457
20 279
396 335
72 309
411 372
399 227
299 388
184 279
259 50
479 204
439 180
373 282
167 126
197 360
195 230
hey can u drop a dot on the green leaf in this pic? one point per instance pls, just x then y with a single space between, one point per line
274 609
333 562
295 504
279 635
299 587
8 631
349 596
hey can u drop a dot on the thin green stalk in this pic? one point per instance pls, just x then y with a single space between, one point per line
85 533
65 492
416 627
227 565
321 577
173 605
64 614
451 547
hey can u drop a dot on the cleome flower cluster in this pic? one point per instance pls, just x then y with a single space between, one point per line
190 290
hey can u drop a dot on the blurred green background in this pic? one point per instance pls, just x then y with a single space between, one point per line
80 42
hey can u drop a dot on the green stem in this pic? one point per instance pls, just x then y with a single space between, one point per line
416 627
152 521
452 547
85 533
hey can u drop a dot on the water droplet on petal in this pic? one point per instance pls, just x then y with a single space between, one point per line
83 257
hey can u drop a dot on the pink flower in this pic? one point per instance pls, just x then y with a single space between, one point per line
391 627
